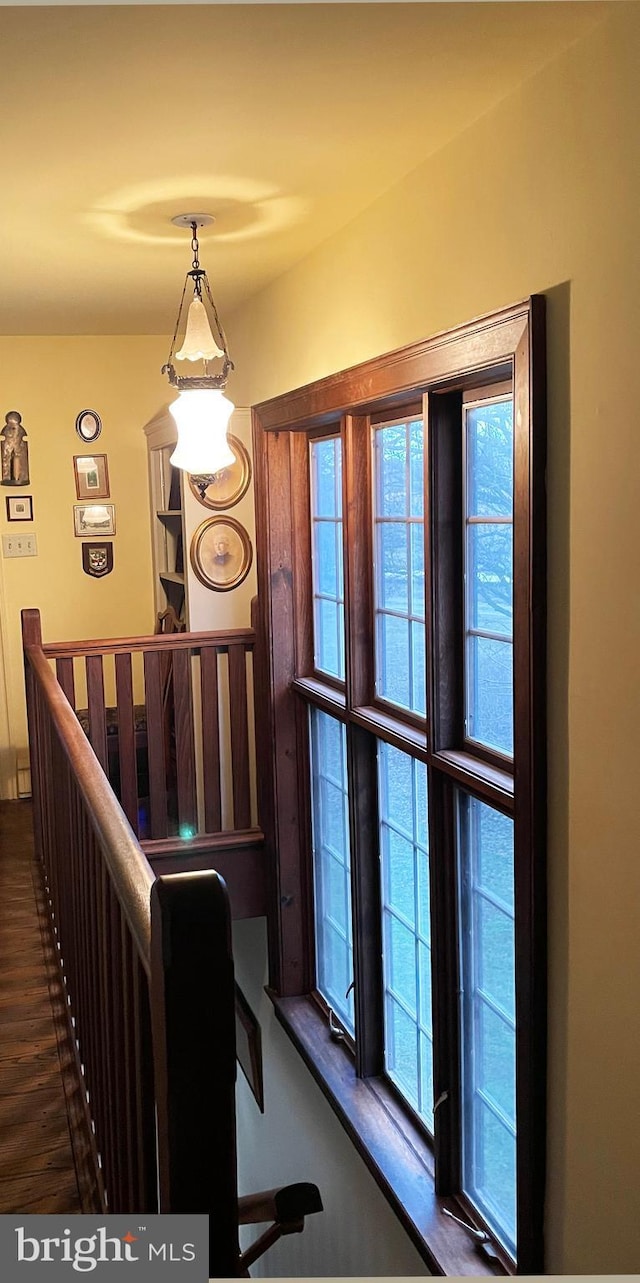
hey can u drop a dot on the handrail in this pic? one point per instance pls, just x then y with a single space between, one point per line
221 639
131 872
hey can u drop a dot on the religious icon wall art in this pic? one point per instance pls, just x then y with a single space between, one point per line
14 451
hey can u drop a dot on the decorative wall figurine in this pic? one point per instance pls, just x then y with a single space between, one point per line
97 559
15 451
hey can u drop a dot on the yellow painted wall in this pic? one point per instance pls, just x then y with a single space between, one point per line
49 380
541 195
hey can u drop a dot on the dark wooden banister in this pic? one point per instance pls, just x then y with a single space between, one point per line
130 871
159 1051
222 640
146 969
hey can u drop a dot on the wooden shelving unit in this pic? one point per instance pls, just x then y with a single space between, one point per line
167 519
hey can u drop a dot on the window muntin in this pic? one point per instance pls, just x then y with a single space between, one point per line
487 949
332 865
399 607
327 556
488 441
406 953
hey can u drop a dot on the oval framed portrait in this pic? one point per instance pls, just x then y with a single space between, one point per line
88 425
229 485
221 553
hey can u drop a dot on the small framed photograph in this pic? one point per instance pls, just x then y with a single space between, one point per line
19 507
94 519
221 553
88 425
229 485
92 477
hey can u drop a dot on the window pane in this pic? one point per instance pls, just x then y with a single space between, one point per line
489 574
394 651
490 692
394 566
491 578
490 459
326 544
326 486
331 864
398 451
488 1013
391 470
329 622
406 929
326 560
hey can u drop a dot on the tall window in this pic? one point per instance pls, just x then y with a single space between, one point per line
401 576
489 574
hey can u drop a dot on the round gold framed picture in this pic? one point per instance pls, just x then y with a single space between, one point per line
221 553
227 486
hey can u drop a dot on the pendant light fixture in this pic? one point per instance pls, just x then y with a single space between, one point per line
201 411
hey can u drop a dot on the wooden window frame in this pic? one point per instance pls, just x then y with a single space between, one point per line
506 345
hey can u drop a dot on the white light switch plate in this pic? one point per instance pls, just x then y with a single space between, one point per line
19 546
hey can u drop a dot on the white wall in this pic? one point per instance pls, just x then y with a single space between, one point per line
299 1138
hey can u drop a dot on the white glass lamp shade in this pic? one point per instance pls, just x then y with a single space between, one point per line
201 416
199 343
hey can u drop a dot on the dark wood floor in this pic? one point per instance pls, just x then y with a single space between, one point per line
37 1172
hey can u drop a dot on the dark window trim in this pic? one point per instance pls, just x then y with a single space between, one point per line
484 352
391 1145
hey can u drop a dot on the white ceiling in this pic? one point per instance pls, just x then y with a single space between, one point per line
282 120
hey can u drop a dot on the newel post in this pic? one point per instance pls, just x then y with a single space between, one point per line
194 1055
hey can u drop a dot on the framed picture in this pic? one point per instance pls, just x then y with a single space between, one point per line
221 553
94 519
19 507
88 425
92 477
228 485
249 1047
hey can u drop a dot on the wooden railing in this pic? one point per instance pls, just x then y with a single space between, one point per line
145 966
160 1107
180 758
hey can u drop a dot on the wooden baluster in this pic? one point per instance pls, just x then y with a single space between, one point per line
185 756
110 1104
147 1197
97 714
156 745
132 1175
83 952
115 1029
127 740
210 739
239 736
64 674
99 1091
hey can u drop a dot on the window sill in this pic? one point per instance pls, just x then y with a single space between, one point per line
399 1160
